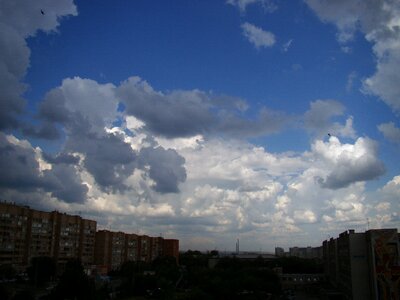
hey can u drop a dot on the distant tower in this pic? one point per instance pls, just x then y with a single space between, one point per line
237 246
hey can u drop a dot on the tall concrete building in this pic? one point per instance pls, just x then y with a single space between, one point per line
110 249
27 233
279 252
364 265
171 248
15 227
306 252
132 247
114 248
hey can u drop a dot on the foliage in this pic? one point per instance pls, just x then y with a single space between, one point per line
41 270
23 295
7 271
74 283
230 279
296 265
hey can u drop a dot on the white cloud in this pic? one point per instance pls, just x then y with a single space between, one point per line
349 163
304 216
379 22
318 119
392 188
287 45
390 132
268 5
350 81
96 102
184 114
257 36
383 206
19 20
232 188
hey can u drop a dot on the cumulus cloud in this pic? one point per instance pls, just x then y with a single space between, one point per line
61 158
175 162
95 103
25 175
166 168
318 119
390 132
239 188
87 110
306 216
180 113
189 113
257 36
20 20
350 163
268 5
379 22
392 189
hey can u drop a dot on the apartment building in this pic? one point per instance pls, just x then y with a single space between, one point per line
364 265
15 225
279 252
132 247
306 252
171 248
114 248
27 233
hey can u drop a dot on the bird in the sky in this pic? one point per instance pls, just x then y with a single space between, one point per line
42 12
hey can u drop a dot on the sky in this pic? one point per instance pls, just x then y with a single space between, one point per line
273 122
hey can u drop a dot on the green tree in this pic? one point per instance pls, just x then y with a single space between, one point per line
74 283
41 270
7 271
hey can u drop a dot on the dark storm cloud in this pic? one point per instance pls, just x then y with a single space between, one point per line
20 169
66 185
166 168
45 130
179 114
61 158
187 113
107 157
52 108
21 172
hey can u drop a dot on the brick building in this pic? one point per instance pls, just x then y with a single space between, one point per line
114 248
171 248
27 233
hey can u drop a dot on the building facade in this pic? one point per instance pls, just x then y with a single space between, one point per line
26 233
114 248
306 252
171 248
364 265
279 252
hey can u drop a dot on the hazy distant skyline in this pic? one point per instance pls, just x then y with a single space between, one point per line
276 122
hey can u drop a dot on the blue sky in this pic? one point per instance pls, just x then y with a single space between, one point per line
205 120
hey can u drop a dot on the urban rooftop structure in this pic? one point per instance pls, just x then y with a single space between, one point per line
26 233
